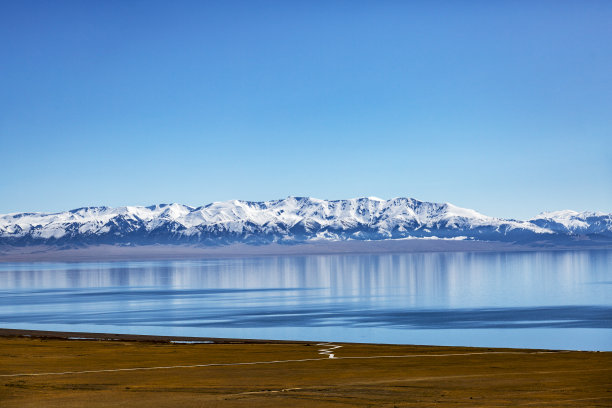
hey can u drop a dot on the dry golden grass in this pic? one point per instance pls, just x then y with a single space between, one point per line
425 380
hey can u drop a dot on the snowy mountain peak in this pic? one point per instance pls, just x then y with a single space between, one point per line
566 214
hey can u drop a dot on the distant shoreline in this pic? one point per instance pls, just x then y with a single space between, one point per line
44 253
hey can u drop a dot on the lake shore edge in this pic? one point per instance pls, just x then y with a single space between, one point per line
144 338
148 338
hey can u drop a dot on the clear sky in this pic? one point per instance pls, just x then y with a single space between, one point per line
500 106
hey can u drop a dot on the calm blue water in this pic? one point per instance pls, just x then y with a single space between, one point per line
560 300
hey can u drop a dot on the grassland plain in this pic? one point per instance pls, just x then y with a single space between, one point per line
140 371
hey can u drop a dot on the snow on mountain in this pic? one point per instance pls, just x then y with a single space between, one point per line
293 219
568 221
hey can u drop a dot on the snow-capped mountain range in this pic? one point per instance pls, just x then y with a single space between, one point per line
294 220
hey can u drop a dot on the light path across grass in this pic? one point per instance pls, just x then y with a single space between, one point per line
111 370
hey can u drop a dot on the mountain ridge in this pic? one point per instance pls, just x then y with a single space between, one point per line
293 220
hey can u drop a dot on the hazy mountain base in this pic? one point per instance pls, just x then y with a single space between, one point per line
36 253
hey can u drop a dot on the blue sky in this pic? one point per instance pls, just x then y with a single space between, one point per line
504 107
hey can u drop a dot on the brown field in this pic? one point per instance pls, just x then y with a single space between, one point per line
419 376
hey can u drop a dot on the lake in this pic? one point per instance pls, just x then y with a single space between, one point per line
555 300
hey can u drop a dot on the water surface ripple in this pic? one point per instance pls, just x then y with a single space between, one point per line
531 299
